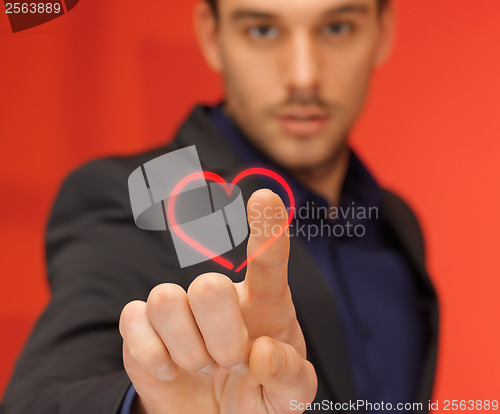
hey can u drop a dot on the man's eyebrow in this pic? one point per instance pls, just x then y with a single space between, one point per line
348 8
252 14
257 14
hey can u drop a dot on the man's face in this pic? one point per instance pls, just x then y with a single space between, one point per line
296 72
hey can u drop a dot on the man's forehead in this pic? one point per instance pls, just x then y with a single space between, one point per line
279 8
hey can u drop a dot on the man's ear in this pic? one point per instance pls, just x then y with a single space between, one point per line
387 23
206 28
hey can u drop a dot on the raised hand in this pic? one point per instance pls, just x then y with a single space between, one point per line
223 347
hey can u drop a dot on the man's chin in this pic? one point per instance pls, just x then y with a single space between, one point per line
298 159
296 152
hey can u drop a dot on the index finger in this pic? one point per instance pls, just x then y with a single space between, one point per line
267 272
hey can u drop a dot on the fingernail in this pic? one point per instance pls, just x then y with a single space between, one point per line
240 369
208 370
275 359
166 372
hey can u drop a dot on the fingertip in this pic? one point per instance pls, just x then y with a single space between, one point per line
261 199
130 312
262 192
165 297
209 282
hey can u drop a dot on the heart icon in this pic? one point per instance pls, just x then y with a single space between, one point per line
26 15
228 188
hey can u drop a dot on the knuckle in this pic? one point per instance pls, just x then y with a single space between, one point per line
165 295
209 285
230 353
193 361
228 358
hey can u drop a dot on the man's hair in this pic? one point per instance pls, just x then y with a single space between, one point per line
213 5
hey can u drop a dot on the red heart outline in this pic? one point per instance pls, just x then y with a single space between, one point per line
228 188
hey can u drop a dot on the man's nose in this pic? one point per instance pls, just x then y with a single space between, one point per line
302 64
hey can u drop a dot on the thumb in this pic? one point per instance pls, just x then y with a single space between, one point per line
287 378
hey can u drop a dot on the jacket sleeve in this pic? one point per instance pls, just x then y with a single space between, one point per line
97 261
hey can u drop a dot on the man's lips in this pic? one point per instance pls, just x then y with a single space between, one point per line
303 123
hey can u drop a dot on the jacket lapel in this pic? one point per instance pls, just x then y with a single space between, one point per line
405 226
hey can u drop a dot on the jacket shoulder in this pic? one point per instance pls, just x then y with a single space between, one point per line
405 223
113 168
103 182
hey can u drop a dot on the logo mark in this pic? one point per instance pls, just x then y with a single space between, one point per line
25 15
205 220
206 213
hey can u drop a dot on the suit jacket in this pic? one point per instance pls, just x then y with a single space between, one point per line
98 261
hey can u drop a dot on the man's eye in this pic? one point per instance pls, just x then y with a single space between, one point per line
338 29
263 32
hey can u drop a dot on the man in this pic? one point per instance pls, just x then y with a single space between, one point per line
334 319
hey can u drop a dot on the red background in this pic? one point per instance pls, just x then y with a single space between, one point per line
117 77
